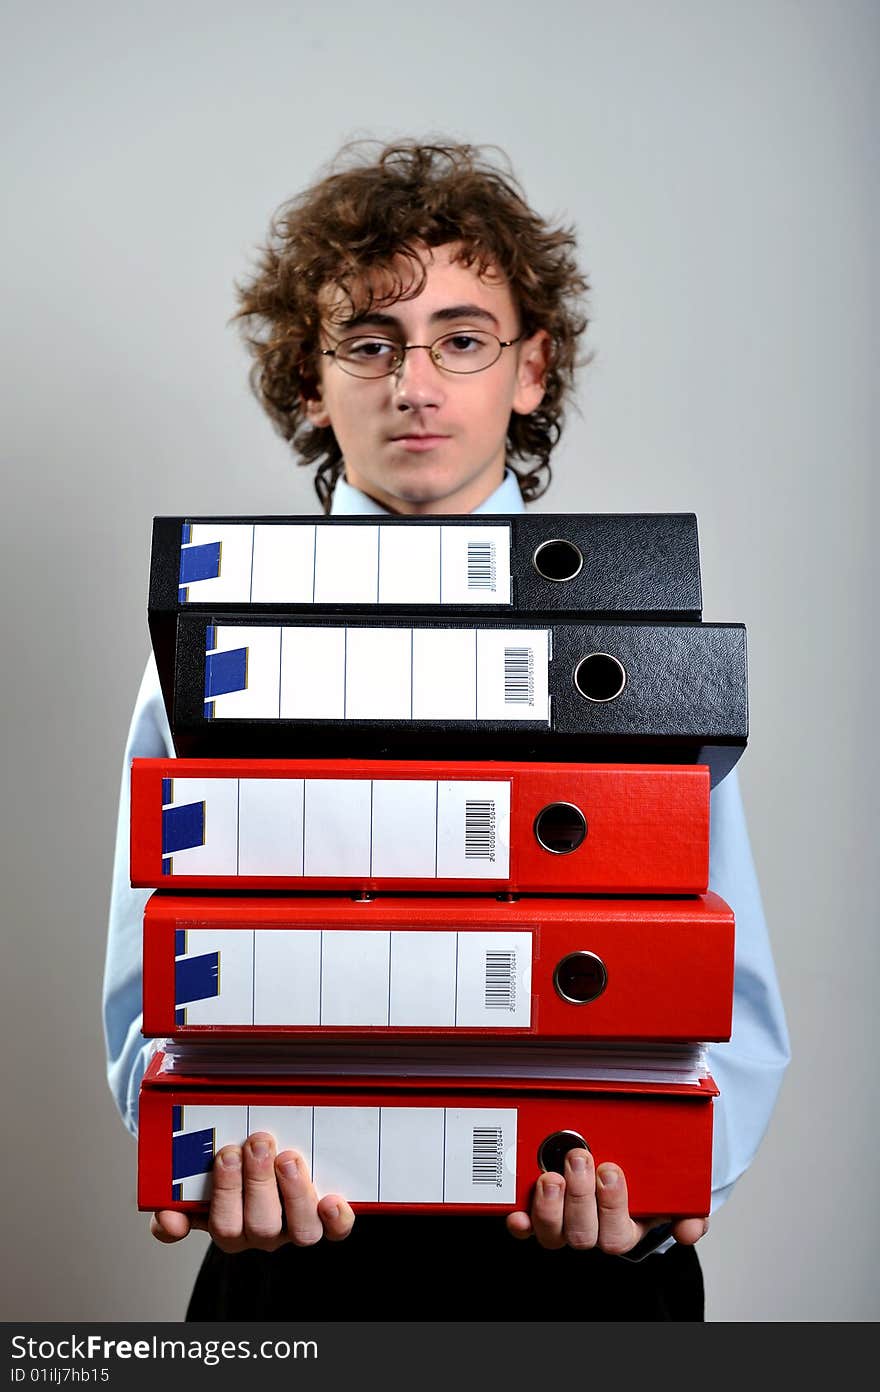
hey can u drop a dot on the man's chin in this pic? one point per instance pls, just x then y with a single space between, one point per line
423 493
428 484
415 488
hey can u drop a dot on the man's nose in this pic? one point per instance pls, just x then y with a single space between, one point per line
418 382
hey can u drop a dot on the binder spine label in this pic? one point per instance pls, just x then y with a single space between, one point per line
342 977
336 828
452 1155
301 563
326 673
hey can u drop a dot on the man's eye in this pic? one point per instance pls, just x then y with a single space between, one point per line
463 343
368 348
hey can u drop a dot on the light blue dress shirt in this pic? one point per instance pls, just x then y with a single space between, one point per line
748 1069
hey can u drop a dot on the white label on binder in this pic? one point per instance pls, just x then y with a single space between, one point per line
338 827
444 676
233 583
292 1128
354 978
494 980
411 1157
346 1155
270 826
284 565
476 565
346 564
378 674
409 570
258 698
473 830
287 976
218 853
463 1155
370 673
404 828
513 674
480 1155
301 563
226 1125
312 674
233 1002
423 978
412 978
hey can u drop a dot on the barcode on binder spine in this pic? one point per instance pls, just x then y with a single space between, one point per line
519 677
487 1160
481 565
500 980
479 829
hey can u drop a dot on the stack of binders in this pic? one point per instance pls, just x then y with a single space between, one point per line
431 867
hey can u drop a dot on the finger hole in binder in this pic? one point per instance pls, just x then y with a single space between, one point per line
560 827
554 1148
558 560
600 677
580 977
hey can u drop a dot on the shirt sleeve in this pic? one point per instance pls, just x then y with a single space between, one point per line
128 1053
748 1069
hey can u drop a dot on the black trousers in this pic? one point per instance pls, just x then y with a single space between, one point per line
395 1267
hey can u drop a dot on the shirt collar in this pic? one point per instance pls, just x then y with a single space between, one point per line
351 502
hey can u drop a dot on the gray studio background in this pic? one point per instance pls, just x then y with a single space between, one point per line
720 162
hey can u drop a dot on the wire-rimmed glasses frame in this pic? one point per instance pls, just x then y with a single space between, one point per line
380 366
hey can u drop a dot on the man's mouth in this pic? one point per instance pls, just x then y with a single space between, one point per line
418 440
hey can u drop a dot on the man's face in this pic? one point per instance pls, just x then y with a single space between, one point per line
426 440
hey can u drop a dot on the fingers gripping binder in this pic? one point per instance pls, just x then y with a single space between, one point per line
435 826
437 969
429 1145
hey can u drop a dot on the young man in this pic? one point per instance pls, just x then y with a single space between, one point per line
414 326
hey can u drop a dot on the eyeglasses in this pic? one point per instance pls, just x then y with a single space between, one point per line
471 350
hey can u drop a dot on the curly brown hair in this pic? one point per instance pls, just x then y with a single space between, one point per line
376 205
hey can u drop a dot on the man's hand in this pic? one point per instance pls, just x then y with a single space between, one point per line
584 1208
260 1199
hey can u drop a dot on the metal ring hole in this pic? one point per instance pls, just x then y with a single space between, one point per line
600 677
580 977
553 1150
560 827
558 560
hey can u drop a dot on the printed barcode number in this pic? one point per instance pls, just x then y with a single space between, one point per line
479 829
481 565
500 979
487 1156
519 677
